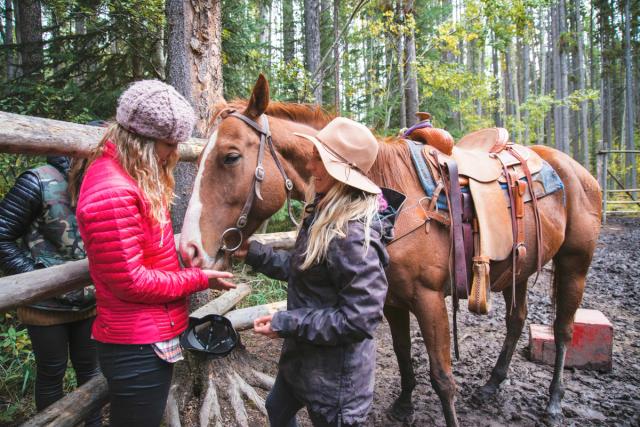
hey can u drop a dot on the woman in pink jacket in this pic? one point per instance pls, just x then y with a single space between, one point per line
123 218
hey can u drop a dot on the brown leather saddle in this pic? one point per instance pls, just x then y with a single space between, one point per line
487 222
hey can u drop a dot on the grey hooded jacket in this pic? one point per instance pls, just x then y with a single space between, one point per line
333 309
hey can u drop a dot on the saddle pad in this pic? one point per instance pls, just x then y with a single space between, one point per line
494 219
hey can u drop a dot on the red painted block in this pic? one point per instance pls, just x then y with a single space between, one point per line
591 347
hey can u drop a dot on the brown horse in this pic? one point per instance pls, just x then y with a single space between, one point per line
419 271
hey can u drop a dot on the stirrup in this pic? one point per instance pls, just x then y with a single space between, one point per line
480 295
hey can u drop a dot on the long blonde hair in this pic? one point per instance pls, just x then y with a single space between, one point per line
137 156
340 205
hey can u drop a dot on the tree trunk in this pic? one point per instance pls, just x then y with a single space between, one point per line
629 114
312 46
583 117
411 90
526 77
195 70
400 65
29 17
10 40
336 56
265 30
542 80
497 117
288 28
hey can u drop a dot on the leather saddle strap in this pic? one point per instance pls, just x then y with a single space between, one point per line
536 213
514 229
455 196
467 233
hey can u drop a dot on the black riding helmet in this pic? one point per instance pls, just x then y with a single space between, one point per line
212 335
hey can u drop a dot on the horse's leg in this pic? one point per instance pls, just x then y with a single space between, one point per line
431 312
398 318
569 281
515 319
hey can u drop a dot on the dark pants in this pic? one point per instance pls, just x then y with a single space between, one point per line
138 383
52 347
282 407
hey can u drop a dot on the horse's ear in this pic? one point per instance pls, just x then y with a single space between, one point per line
259 98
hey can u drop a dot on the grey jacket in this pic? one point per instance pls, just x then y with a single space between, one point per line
333 309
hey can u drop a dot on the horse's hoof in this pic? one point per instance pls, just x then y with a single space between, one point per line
402 412
483 394
553 420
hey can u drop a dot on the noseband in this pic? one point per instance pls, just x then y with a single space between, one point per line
258 177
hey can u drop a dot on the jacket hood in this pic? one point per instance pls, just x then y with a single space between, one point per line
62 163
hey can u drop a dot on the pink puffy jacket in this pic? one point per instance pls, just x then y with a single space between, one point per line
141 290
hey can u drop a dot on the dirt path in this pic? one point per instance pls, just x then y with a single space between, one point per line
592 398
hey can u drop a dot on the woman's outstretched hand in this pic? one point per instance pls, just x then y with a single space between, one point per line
216 279
262 325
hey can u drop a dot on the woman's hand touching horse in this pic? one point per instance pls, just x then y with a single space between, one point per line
216 279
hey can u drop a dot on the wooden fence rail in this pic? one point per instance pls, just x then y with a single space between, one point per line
27 288
38 136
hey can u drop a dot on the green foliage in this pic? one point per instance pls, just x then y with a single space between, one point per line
17 370
83 73
11 166
265 290
280 221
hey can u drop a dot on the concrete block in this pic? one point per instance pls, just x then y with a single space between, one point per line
591 347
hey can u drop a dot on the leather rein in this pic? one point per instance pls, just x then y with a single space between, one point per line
258 177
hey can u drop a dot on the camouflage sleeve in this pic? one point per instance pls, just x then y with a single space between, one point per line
111 227
20 207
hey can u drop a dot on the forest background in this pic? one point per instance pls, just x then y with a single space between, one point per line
563 73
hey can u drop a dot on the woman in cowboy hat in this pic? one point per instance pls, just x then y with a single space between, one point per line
337 286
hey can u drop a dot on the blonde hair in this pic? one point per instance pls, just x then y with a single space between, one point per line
340 205
137 156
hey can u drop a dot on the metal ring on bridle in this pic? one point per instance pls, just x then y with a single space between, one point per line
224 243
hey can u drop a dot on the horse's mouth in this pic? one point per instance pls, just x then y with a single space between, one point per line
221 261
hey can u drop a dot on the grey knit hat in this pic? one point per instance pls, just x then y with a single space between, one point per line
156 110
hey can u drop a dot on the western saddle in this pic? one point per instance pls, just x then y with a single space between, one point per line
487 180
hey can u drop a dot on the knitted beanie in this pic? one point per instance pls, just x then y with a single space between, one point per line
156 110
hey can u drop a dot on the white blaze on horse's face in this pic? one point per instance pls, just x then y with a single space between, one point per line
191 247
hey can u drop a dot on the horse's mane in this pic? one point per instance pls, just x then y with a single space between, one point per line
389 169
309 114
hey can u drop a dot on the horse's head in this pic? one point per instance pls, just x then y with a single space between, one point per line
239 184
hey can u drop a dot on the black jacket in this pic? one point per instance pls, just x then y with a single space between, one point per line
333 309
18 210
22 207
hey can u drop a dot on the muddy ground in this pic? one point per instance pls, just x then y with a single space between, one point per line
592 398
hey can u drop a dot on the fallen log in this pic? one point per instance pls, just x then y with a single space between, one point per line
224 302
242 319
74 407
27 288
280 240
37 136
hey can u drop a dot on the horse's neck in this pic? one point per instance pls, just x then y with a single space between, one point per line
393 167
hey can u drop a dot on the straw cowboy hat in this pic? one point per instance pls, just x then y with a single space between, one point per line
348 150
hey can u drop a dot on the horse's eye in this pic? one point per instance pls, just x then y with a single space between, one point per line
231 158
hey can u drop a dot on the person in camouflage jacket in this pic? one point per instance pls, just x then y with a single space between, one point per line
38 229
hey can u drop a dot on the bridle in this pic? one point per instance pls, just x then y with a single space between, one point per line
258 177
